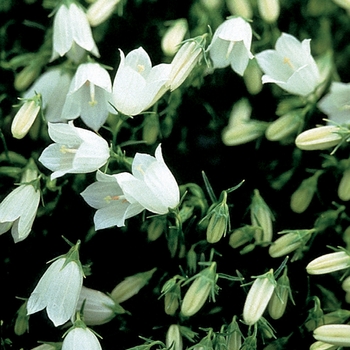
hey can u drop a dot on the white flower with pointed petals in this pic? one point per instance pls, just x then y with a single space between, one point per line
336 104
18 209
151 183
71 28
137 85
231 44
81 338
75 150
107 197
53 86
89 95
290 66
59 288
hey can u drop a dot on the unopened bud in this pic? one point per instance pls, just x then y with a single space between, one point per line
174 338
174 36
100 11
151 129
26 76
320 345
252 76
131 286
319 138
156 228
329 263
284 126
335 334
269 10
278 302
25 118
242 236
199 291
241 8
338 316
234 336
344 186
22 320
346 284
258 297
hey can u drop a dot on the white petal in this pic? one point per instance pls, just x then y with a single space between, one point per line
81 339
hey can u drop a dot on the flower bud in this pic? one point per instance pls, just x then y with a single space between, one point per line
241 236
48 346
243 133
335 334
261 216
131 286
174 338
320 345
97 307
269 10
284 126
174 36
344 186
22 320
338 316
171 301
345 4
203 285
234 336
155 228
185 59
329 263
25 117
346 284
26 76
289 242
258 297
278 302
319 138
100 11
252 76
240 8
151 129
302 197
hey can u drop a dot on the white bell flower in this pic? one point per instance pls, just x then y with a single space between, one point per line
59 288
71 31
81 338
336 104
151 183
75 150
137 85
18 209
290 66
231 44
89 95
107 197
53 86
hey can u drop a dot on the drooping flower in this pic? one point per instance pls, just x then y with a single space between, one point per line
59 288
75 150
72 33
336 104
231 45
290 66
107 197
18 209
89 95
151 183
137 85
53 86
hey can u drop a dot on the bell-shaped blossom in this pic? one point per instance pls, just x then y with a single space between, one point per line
137 85
336 104
81 338
108 198
53 86
72 32
151 183
89 95
290 66
75 150
18 209
231 44
59 288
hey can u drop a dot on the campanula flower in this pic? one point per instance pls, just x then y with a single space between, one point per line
89 95
290 66
230 45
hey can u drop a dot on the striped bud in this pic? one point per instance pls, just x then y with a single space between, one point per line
320 345
174 338
335 334
329 263
344 186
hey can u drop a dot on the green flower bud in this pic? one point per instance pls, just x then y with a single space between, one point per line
131 286
338 316
242 236
174 338
344 186
320 345
22 320
156 228
234 335
346 284
335 334
329 263
203 285
252 75
241 8
269 10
